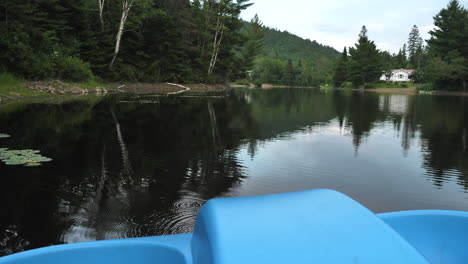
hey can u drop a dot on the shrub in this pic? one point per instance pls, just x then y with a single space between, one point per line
38 67
425 87
347 85
73 69
242 82
9 79
369 86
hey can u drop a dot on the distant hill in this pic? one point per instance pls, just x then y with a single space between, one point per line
312 64
286 46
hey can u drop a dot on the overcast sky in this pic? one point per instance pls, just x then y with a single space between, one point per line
337 22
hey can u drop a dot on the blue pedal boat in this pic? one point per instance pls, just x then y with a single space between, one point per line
317 226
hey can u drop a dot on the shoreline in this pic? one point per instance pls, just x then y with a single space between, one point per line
37 89
57 88
411 90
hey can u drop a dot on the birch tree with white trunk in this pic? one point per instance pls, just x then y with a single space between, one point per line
227 12
126 6
218 38
101 11
219 27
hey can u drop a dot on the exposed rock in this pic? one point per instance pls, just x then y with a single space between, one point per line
59 87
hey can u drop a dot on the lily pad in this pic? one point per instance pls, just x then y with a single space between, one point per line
33 164
26 157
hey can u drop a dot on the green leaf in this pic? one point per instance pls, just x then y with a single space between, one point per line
26 157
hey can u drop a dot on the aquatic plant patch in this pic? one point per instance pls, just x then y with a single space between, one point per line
26 157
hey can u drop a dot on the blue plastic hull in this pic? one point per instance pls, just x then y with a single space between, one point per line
319 226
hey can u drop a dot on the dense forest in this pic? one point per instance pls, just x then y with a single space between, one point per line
290 60
129 40
206 41
153 41
440 62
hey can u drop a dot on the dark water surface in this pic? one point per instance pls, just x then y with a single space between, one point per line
129 167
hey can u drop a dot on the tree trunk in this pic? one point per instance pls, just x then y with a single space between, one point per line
216 45
101 10
126 6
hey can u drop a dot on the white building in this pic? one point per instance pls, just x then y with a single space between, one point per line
400 75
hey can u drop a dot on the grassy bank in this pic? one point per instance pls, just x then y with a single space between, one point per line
11 86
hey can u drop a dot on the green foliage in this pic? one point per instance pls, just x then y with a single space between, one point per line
450 31
347 85
415 47
269 71
311 63
425 87
242 82
365 61
253 46
91 83
448 53
73 69
384 84
400 60
289 74
12 84
163 40
26 157
341 71
446 74
284 45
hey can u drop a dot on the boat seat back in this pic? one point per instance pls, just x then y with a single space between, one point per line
319 226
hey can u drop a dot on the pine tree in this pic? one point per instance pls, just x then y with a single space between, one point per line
448 44
401 61
253 46
404 55
289 75
415 47
450 31
341 72
364 63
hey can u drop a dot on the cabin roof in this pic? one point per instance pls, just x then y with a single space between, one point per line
409 71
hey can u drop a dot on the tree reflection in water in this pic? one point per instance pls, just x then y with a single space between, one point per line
139 169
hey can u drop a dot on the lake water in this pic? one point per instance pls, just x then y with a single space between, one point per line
129 166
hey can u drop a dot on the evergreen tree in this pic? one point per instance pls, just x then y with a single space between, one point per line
364 63
253 45
160 40
404 55
415 47
448 45
450 31
289 75
400 59
341 71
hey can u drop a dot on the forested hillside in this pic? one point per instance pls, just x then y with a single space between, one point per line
128 40
152 41
290 60
285 46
